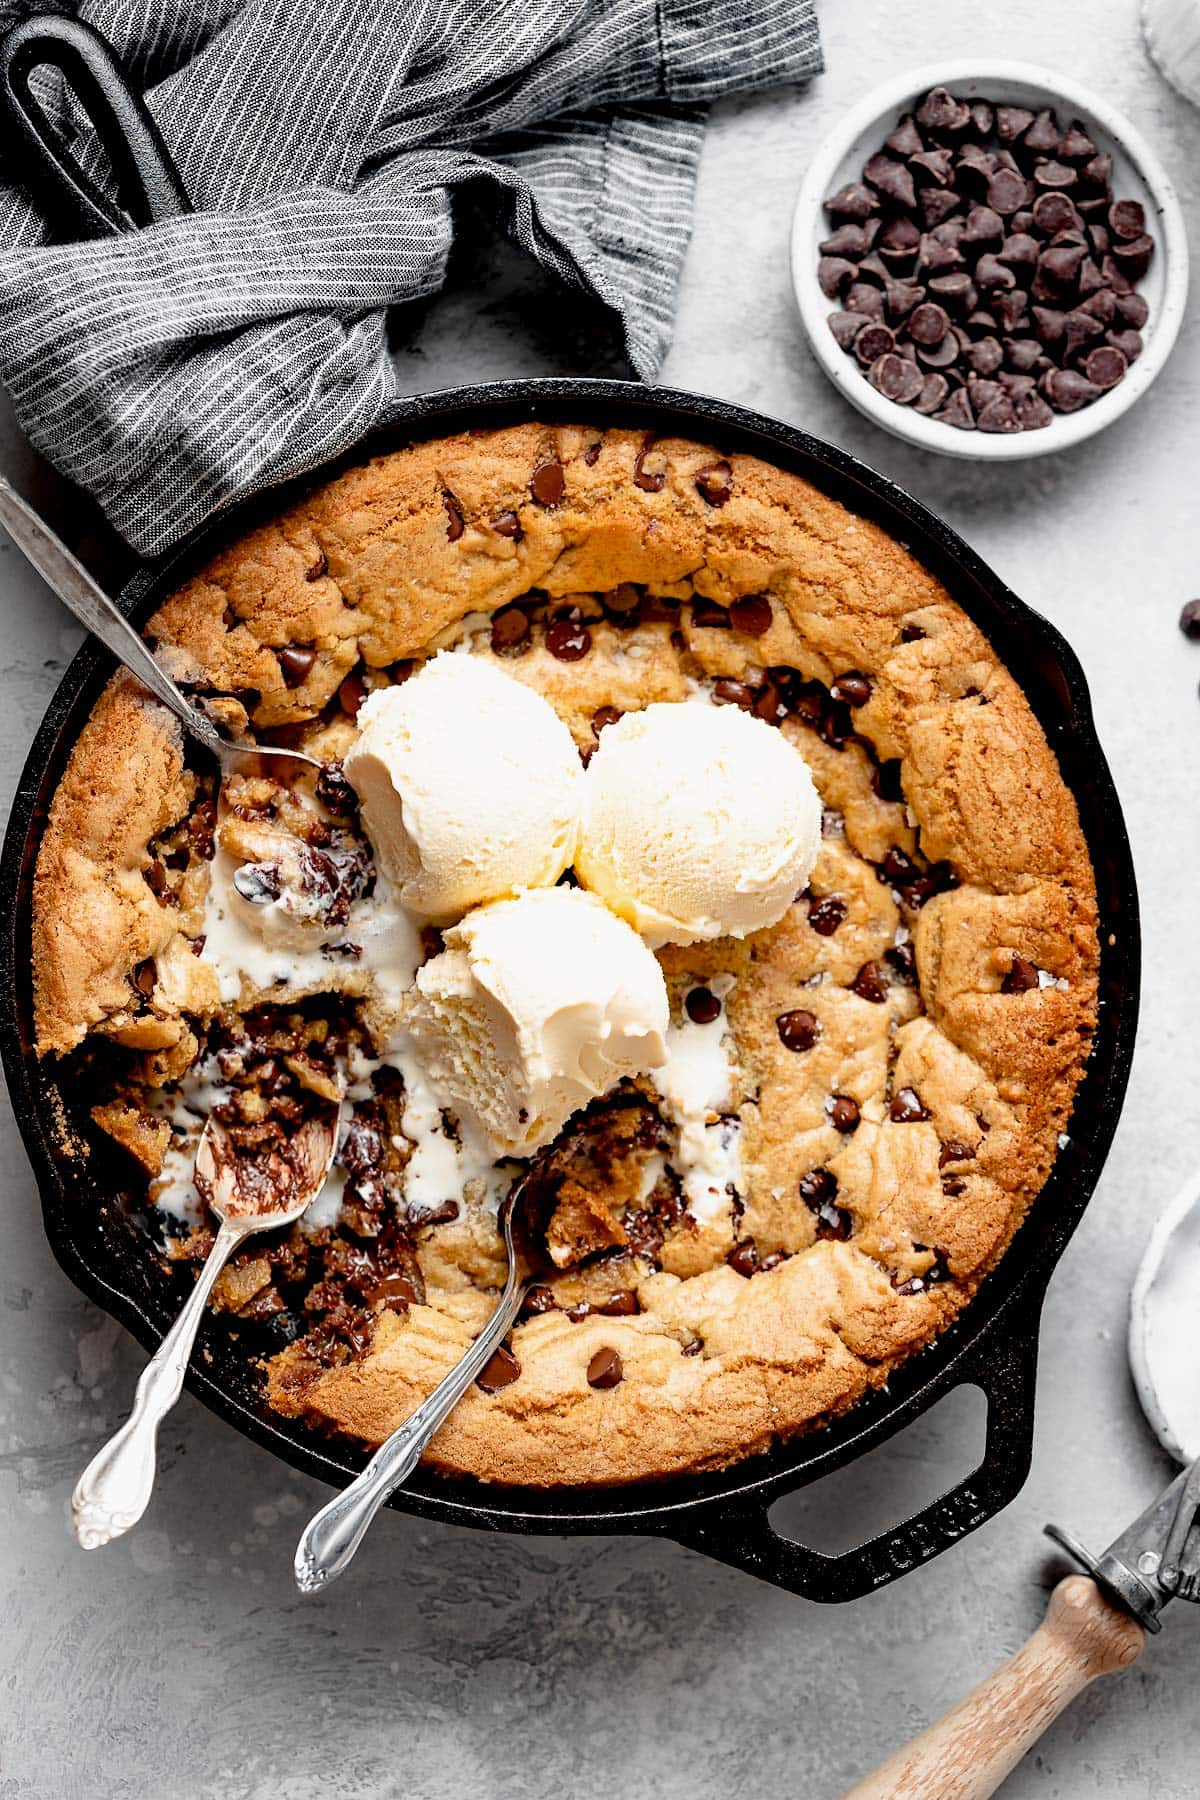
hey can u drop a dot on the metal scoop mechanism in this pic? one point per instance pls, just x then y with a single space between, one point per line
1154 1560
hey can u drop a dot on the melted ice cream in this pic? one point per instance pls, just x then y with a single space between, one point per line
696 1089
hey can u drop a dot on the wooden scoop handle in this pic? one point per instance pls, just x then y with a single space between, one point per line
967 1753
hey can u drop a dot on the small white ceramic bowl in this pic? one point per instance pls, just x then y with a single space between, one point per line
1137 175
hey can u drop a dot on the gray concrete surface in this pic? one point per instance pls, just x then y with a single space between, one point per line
458 1665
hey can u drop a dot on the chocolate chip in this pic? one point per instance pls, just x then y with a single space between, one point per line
156 880
869 984
899 240
891 179
603 716
1131 310
939 356
854 201
500 1372
940 113
1055 212
714 482
709 614
905 140
295 664
548 483
510 631
983 118
984 357
454 517
1102 306
957 412
907 1107
1067 391
539 1299
727 692
1007 191
1011 312
1042 135
650 481
895 378
1127 219
818 1187
998 416
953 1151
933 393
568 639
605 1369
936 166
751 614
826 915
929 323
956 291
1129 343
937 205
865 297
768 704
744 1257
1189 620
314 572
983 227
508 526
1011 122
1097 174
1114 276
351 694
844 1114
620 1306
874 341
702 1006
1105 366
1054 174
402 1290
1075 145
1134 257
854 689
1020 978
622 603
1033 413
953 1185
798 1030
591 455
903 959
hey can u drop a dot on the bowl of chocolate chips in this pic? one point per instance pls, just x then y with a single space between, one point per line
990 262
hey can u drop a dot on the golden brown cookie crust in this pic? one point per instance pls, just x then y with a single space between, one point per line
385 559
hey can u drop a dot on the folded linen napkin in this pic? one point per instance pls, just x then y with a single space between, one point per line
322 142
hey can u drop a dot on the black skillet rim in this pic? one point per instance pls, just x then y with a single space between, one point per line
1004 1312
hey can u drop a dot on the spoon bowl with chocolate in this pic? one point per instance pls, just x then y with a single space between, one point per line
253 1179
989 261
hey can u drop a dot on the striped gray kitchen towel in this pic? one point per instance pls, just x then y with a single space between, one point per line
172 370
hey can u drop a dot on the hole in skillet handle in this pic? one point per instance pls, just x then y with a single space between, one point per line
1004 1365
147 181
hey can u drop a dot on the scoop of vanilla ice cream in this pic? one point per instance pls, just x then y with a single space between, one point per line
536 1006
698 822
469 784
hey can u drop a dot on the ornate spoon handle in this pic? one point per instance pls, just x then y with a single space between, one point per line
68 578
331 1537
114 1490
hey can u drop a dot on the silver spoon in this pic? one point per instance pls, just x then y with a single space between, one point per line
332 1536
83 596
114 1490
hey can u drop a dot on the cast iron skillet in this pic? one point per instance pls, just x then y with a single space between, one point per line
993 1343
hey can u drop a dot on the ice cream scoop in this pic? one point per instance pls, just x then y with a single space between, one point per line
469 784
536 1006
698 822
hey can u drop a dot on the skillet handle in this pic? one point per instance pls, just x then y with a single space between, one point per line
1004 1365
147 180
